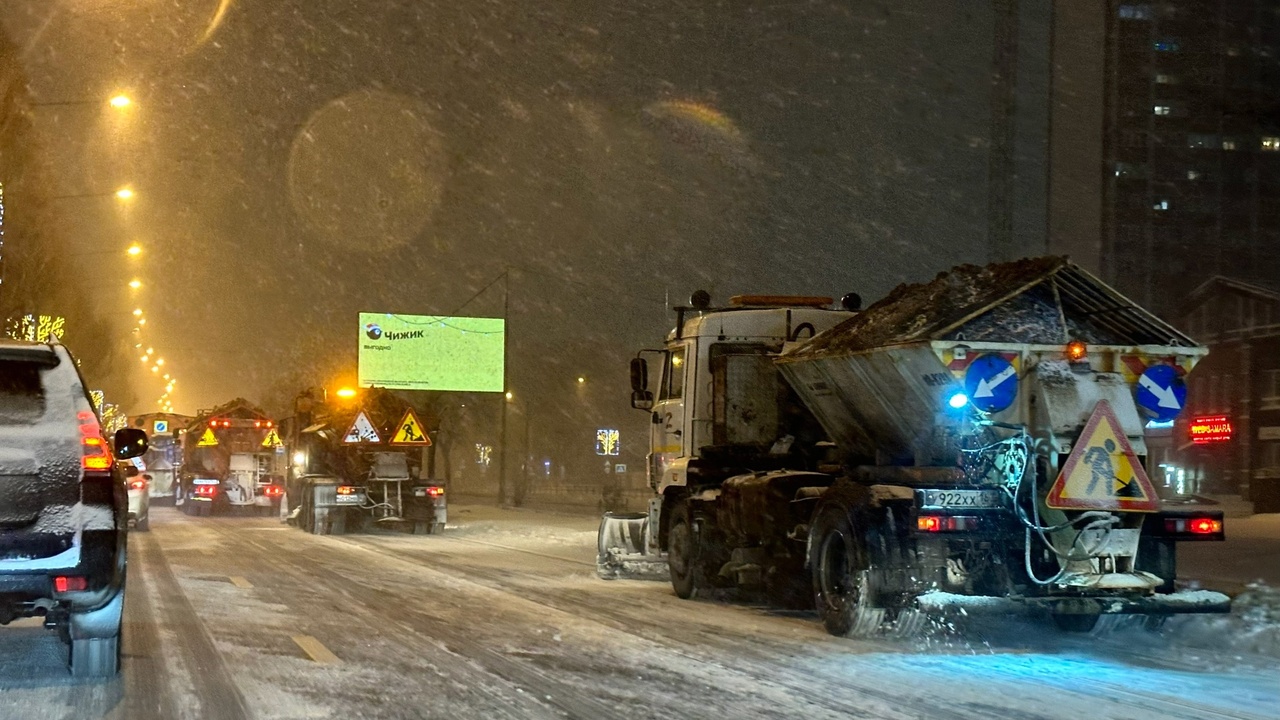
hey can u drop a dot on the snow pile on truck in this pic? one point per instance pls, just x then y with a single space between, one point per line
974 441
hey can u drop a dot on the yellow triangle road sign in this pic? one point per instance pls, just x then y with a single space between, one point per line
272 440
208 439
1102 472
410 431
362 432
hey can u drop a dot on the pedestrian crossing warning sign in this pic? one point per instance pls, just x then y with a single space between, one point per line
272 440
362 432
410 431
1102 472
208 439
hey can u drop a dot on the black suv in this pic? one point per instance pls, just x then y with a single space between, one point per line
63 505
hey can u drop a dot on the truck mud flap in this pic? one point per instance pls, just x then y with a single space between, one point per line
1185 601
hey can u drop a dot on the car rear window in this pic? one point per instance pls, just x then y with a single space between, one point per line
21 392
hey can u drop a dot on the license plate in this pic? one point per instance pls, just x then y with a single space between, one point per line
960 499
355 499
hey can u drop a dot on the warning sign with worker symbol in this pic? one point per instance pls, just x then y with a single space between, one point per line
208 439
362 432
272 440
410 431
1103 472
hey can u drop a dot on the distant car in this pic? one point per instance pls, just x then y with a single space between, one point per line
63 506
140 500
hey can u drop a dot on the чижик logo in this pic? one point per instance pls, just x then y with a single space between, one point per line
373 331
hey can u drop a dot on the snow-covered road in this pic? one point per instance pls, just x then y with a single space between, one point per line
503 617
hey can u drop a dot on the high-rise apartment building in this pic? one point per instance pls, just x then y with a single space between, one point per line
1191 146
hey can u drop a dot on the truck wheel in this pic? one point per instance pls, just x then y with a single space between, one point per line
683 553
840 575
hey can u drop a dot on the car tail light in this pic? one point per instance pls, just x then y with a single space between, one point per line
273 491
947 523
69 583
96 455
138 484
346 490
434 491
206 491
1193 526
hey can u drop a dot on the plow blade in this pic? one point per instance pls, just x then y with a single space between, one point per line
622 549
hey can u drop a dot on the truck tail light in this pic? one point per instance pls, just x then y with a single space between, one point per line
434 491
206 491
1199 526
947 523
346 489
273 491
69 583
95 453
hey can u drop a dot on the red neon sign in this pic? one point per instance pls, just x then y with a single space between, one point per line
1212 429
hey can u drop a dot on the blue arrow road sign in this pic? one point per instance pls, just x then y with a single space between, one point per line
991 383
1161 393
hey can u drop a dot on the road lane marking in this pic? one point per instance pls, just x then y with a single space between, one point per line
315 649
240 582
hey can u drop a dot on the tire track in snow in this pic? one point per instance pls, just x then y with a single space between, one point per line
526 680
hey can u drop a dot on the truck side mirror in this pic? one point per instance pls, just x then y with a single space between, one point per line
130 443
639 377
642 400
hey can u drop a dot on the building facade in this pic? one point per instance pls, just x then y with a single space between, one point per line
1191 146
1228 438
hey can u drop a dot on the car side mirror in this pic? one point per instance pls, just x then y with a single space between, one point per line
130 443
639 376
642 400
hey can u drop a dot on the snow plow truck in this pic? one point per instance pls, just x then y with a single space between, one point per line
359 463
232 461
974 444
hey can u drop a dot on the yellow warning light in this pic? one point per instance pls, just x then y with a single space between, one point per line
346 393
1077 350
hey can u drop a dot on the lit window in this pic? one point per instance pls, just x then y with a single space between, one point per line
1161 205
1165 46
1228 144
1134 12
1162 109
1271 144
1194 174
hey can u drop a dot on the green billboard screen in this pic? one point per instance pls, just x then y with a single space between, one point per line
428 352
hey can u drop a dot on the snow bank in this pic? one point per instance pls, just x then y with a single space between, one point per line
1252 627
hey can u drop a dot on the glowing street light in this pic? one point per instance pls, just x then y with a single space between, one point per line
137 312
509 396
121 101
134 250
160 361
581 380
142 321
124 193
135 284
